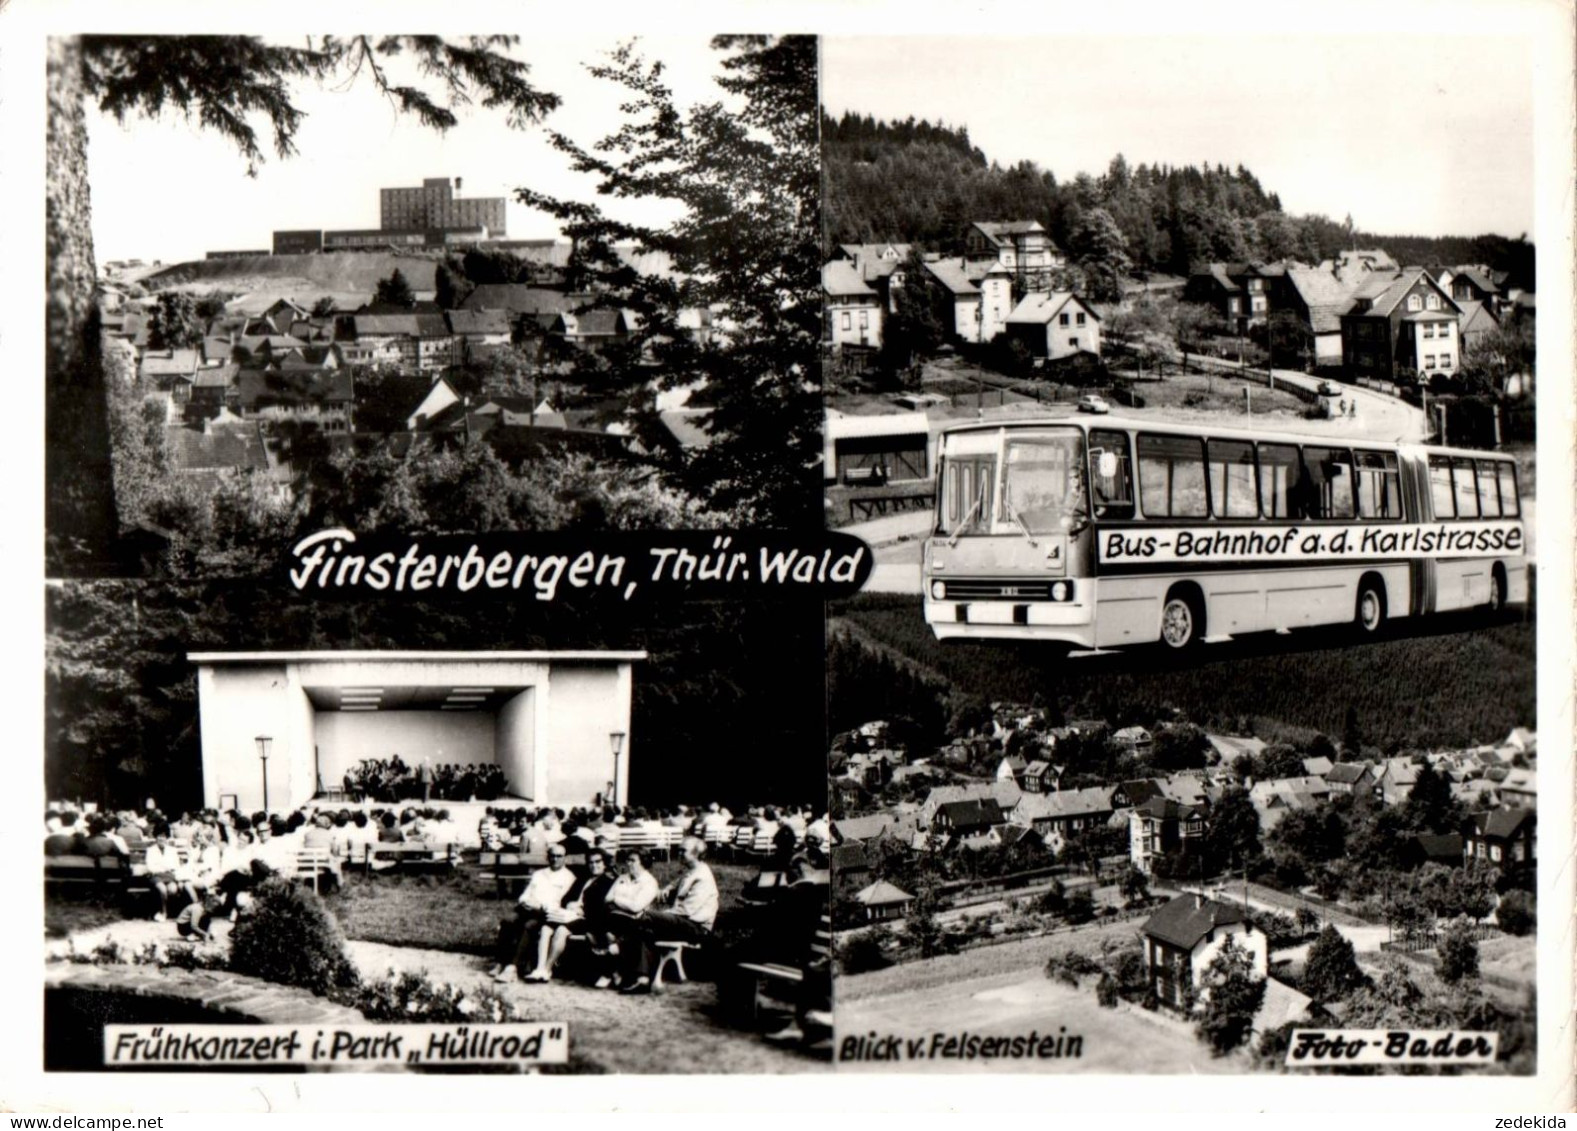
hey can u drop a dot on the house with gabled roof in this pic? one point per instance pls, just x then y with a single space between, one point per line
1506 838
967 818
881 265
1024 247
1060 815
903 827
1006 794
1184 937
852 308
1520 789
1404 321
221 445
1038 777
1161 826
1317 297
1055 325
1350 777
981 293
1396 780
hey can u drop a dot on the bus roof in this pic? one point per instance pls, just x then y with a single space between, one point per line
1225 431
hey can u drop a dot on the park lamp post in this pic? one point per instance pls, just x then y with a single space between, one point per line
263 744
616 741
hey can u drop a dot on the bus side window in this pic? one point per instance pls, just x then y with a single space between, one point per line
1462 480
1280 481
1331 482
1509 505
1488 492
1440 487
1233 493
1379 485
1172 477
1111 496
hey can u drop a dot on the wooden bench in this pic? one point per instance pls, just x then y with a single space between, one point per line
100 871
670 953
507 869
312 864
774 973
402 853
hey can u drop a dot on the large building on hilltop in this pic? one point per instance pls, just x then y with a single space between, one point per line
434 205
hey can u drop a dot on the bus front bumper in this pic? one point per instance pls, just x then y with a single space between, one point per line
1070 622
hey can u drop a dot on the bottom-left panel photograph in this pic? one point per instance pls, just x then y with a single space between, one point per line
286 836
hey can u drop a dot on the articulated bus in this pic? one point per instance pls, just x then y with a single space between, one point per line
1108 532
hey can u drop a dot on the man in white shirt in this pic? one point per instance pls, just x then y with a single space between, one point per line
541 903
691 909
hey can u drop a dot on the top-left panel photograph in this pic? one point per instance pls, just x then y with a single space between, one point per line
426 285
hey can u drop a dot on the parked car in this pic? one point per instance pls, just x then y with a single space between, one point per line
1092 403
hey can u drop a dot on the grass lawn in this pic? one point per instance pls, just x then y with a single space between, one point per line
69 914
1510 957
460 911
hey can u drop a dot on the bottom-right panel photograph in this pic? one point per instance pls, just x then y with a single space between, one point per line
1278 855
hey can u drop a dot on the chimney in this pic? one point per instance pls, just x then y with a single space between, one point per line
457 181
1199 901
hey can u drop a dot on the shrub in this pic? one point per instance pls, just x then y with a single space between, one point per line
1055 899
413 997
1280 930
1457 953
1516 914
1332 971
1106 992
292 939
1069 966
861 952
1080 909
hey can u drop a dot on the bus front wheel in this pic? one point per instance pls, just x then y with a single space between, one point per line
1182 620
1370 614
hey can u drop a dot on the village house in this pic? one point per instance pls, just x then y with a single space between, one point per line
884 901
1005 794
1059 816
981 293
1505 837
1039 777
1350 777
1184 937
1022 246
327 400
901 827
967 818
853 309
1054 326
1161 826
1401 322
1396 780
1239 293
1519 789
881 265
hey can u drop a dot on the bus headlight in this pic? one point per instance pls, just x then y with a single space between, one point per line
1061 591
938 590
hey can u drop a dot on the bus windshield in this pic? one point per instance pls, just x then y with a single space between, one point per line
1043 490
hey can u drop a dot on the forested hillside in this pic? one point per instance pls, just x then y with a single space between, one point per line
923 183
1456 688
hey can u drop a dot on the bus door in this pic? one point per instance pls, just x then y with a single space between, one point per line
1419 508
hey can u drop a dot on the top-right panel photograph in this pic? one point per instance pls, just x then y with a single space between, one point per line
1186 397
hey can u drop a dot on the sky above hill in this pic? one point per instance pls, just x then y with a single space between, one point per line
165 190
1411 134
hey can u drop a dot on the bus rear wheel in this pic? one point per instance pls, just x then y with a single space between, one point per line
1182 621
1369 616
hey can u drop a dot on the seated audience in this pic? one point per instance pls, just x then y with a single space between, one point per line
540 905
689 912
